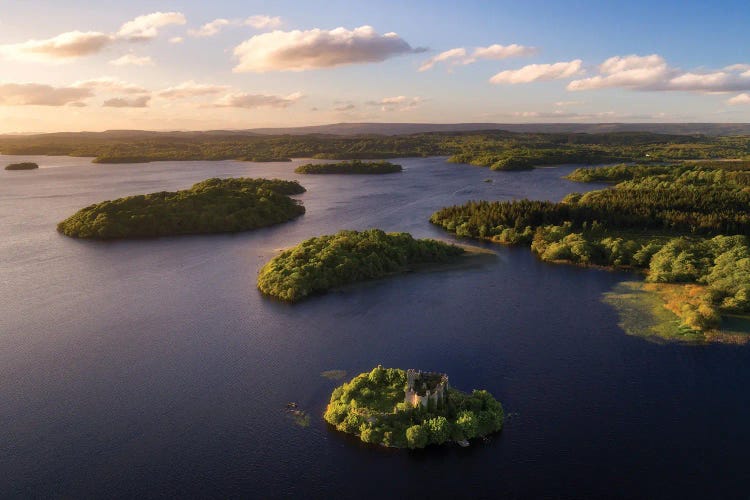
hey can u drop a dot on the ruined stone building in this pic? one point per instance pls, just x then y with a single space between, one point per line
426 388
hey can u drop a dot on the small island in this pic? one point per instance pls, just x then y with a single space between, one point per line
210 206
27 165
320 264
411 409
350 167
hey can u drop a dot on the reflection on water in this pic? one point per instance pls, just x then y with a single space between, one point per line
156 368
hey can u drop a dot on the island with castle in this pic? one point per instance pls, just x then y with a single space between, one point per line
411 409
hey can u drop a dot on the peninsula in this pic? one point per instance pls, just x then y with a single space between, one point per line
350 167
22 166
411 409
684 225
210 206
320 264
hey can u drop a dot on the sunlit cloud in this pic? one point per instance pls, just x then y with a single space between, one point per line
263 22
460 56
34 94
176 40
123 102
65 46
653 73
210 29
314 49
397 103
538 72
132 60
110 84
190 89
147 27
743 98
244 100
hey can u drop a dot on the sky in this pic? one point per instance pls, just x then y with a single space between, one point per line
236 64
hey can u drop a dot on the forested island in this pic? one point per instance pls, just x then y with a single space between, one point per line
320 264
350 167
210 206
411 409
27 165
497 149
685 226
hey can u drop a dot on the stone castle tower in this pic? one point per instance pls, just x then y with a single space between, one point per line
423 388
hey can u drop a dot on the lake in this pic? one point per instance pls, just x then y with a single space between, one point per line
155 368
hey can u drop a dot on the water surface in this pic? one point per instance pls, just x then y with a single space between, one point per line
155 368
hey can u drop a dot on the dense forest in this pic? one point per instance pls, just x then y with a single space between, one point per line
330 261
371 406
210 206
496 149
350 167
681 224
27 165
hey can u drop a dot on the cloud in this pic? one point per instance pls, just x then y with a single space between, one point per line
538 72
132 60
34 94
345 107
460 56
263 22
74 44
176 39
121 102
68 45
313 49
210 29
567 103
652 73
743 98
147 27
243 100
191 89
397 103
110 84
455 56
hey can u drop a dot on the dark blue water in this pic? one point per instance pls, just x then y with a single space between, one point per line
155 368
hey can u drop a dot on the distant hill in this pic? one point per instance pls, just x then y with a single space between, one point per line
588 128
348 129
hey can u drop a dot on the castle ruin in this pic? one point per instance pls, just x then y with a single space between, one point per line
424 388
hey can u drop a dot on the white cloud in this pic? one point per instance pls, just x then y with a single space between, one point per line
263 22
562 104
496 52
538 72
312 49
176 39
110 84
34 94
743 98
147 27
454 56
210 29
737 67
243 100
397 103
75 44
68 45
121 102
653 73
460 56
132 60
191 89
